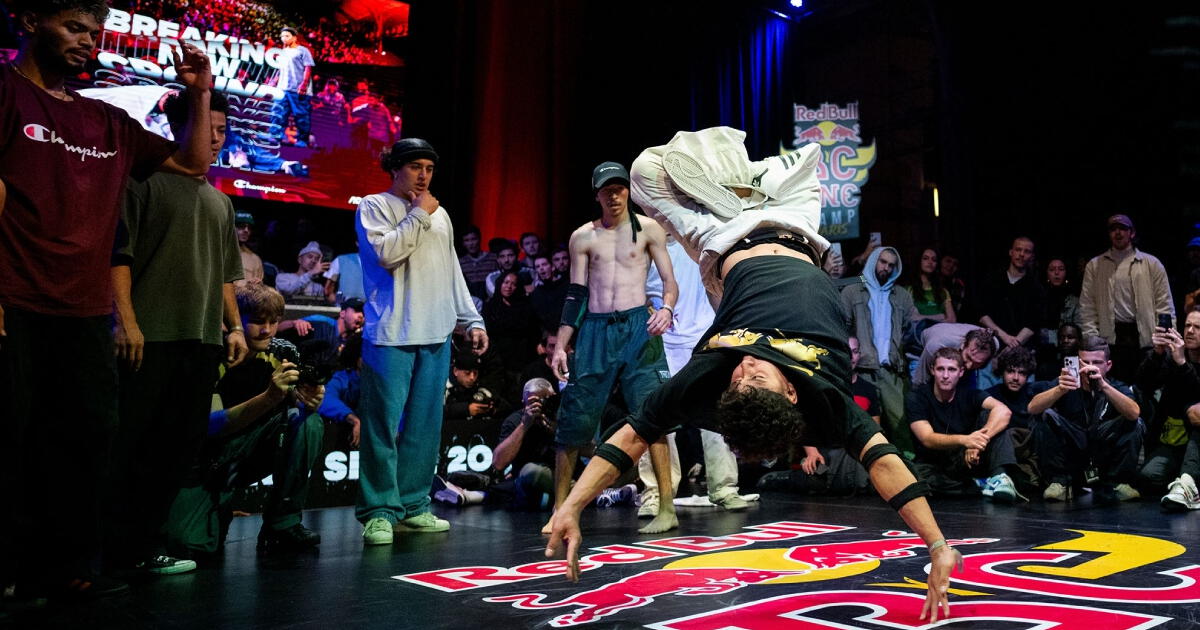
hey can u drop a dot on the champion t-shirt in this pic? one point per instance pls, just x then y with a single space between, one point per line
65 165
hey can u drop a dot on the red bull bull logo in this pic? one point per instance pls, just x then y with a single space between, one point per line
899 545
641 590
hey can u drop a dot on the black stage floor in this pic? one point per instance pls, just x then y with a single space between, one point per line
1066 566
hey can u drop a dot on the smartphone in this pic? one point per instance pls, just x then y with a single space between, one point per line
877 238
1072 365
1164 321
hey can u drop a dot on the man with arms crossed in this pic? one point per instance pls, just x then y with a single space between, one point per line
618 337
770 363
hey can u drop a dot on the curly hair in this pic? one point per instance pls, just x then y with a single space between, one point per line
1018 357
759 423
95 8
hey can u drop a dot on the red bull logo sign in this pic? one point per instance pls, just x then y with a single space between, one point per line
1090 580
844 166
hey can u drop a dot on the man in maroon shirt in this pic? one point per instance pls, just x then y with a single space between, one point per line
64 163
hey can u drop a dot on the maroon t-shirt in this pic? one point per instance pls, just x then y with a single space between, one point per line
65 164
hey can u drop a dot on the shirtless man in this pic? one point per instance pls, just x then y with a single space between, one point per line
618 336
770 375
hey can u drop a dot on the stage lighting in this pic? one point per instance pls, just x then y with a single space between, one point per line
798 4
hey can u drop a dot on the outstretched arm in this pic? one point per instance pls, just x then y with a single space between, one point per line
890 476
596 477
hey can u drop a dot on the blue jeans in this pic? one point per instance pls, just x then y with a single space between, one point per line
403 388
299 106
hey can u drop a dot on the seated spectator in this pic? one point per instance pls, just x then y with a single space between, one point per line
561 261
511 323
531 246
527 445
540 367
1089 418
929 296
1015 366
1174 452
309 279
343 390
954 284
476 264
976 345
471 413
267 425
1050 364
549 293
956 440
506 260
252 265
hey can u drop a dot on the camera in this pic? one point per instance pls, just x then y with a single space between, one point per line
310 373
1072 365
1164 321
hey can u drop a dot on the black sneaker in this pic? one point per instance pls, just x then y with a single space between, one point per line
166 565
1104 495
293 538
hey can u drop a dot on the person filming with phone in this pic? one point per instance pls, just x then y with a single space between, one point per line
1091 419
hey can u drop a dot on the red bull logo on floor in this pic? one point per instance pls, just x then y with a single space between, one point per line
845 163
1088 581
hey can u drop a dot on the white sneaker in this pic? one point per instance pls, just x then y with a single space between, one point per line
649 509
1181 495
695 182
1056 492
1000 488
1126 492
732 502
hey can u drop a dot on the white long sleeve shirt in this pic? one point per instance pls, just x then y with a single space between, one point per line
693 313
414 285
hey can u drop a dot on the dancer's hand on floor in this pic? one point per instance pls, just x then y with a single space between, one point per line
564 526
944 559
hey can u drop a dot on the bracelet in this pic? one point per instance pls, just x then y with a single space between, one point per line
937 544
669 308
237 329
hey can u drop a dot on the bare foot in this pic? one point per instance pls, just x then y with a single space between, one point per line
665 521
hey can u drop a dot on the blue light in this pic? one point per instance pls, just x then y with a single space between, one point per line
796 3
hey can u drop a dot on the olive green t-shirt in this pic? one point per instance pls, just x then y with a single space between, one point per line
181 250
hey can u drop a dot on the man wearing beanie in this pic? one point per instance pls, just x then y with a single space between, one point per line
418 296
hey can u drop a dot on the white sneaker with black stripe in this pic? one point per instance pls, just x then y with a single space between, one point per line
688 174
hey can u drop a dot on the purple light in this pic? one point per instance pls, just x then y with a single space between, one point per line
796 3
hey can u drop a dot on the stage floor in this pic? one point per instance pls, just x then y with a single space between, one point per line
787 562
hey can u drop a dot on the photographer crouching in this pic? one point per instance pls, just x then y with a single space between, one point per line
267 425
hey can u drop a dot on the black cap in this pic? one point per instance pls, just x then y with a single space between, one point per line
354 303
606 172
466 361
407 150
243 218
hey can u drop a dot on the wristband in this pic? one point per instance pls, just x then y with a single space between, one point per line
237 329
669 308
937 544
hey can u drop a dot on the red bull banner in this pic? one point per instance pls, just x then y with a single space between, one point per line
1088 580
845 163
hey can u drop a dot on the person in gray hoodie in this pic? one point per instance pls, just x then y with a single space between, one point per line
879 315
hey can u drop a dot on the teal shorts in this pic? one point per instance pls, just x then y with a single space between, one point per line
608 347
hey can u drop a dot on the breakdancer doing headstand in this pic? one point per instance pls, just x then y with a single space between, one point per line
773 370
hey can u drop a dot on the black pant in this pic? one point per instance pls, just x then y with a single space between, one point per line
164 410
1066 447
947 472
59 411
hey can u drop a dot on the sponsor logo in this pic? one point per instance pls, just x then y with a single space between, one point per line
39 133
245 185
1085 580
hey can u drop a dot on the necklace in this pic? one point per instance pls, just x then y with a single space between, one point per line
60 94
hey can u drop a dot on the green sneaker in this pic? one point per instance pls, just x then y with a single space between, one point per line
377 532
423 522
